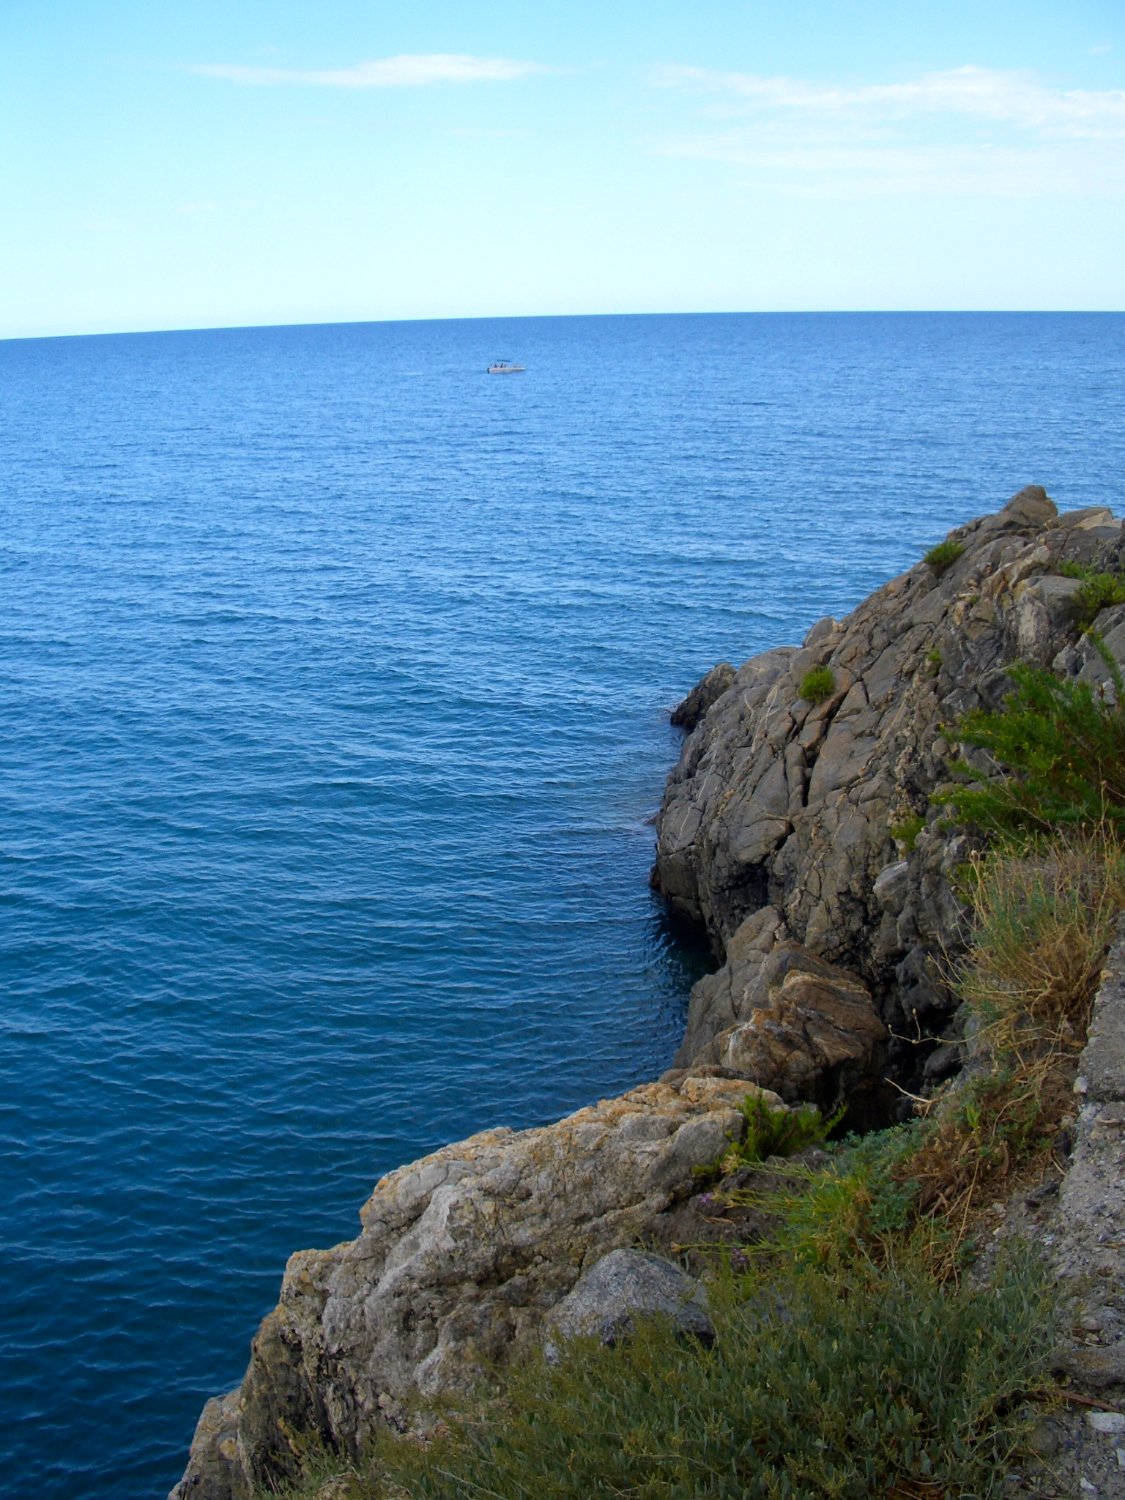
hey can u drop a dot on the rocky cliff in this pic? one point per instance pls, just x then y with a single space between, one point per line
801 834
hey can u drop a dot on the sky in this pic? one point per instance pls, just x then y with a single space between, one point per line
230 162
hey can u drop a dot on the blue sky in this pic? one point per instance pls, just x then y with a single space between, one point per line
215 164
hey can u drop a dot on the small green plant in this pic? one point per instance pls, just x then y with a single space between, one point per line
827 1215
777 1132
942 557
1098 591
934 661
906 833
818 685
1060 752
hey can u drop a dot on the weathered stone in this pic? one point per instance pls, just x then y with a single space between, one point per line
722 1000
710 689
608 1298
778 805
461 1256
815 1037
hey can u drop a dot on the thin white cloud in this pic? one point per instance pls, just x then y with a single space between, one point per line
410 70
983 93
967 130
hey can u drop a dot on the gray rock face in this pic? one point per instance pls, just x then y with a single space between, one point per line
461 1257
1092 1239
1086 1236
710 689
778 825
622 1286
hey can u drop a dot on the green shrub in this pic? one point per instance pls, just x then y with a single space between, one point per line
1098 591
869 1381
828 1215
942 557
776 1132
906 832
1062 748
818 685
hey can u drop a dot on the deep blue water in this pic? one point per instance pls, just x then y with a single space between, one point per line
333 688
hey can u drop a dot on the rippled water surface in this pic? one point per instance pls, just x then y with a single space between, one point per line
334 683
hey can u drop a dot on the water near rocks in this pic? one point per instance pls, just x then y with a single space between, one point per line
334 687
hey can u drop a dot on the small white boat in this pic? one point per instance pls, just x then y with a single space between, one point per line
505 367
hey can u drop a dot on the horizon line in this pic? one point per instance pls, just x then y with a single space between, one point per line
795 312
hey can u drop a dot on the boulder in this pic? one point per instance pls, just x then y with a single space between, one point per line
787 1020
624 1285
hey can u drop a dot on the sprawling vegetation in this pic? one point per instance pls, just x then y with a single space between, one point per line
837 1383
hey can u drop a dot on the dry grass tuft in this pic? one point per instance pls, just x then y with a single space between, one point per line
1045 919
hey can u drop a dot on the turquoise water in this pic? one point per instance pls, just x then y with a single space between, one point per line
334 678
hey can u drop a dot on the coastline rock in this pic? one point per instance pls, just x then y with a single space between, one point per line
462 1255
785 1019
708 690
787 822
1086 1234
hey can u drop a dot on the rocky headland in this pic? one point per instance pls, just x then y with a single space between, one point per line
799 829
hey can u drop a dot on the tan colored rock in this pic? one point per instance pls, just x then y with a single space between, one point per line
786 1020
462 1255
815 1038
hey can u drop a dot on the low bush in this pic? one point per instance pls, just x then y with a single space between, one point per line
863 1382
942 557
906 832
857 1206
1098 591
772 1131
818 685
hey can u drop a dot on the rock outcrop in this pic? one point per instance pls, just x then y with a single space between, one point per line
1090 1248
793 827
462 1255
801 834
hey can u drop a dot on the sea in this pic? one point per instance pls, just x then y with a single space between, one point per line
334 688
